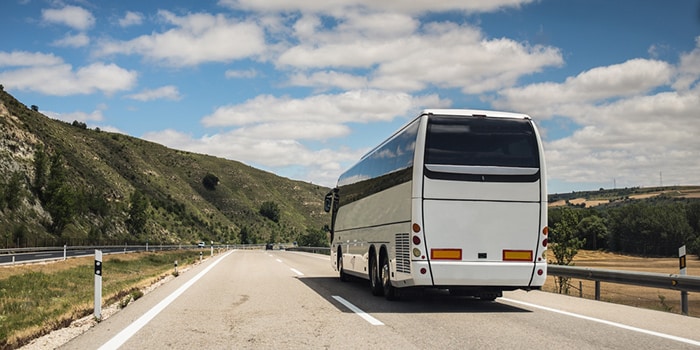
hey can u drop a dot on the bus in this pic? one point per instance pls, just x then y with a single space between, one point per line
455 200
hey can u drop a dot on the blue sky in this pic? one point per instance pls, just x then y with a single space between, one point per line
303 88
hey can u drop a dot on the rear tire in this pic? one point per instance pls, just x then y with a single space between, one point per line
385 274
374 281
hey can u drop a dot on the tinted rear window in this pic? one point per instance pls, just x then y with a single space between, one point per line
481 141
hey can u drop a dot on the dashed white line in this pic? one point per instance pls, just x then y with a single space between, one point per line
119 339
609 323
355 309
297 272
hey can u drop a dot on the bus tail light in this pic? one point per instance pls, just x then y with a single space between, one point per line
545 230
416 240
517 255
544 242
416 228
446 254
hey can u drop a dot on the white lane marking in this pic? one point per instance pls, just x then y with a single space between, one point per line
373 321
311 255
609 323
119 339
278 260
299 273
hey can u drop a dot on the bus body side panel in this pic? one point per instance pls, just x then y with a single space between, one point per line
374 220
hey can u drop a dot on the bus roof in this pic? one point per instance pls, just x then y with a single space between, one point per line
476 112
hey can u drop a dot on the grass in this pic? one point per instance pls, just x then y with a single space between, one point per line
36 299
644 297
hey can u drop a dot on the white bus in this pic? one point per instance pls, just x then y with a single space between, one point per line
456 200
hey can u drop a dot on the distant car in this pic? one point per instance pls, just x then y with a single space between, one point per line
268 246
200 244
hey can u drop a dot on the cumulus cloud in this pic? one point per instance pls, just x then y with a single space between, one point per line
634 140
446 55
636 76
131 19
73 16
319 166
339 6
632 123
94 116
77 40
27 59
359 106
51 76
169 92
194 39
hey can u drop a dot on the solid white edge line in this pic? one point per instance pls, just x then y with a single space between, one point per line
609 323
359 312
128 332
297 272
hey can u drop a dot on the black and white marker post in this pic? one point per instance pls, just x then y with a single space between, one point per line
98 284
682 265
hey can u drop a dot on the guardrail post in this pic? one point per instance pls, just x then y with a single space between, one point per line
65 248
98 284
684 294
597 290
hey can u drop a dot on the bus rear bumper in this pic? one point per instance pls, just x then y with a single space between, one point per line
510 274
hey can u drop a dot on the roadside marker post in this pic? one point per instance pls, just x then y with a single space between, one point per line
98 284
683 268
65 249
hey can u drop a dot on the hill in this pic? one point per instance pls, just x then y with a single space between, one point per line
63 183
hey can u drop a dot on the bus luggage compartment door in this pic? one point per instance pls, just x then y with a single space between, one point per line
481 243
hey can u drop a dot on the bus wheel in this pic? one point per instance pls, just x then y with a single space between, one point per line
389 290
374 282
343 275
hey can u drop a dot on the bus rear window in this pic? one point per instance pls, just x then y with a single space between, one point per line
481 141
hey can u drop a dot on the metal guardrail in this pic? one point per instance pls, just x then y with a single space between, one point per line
682 283
642 279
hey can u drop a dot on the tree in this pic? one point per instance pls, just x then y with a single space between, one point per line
210 181
593 230
270 210
12 194
313 238
41 170
244 235
138 214
565 244
35 108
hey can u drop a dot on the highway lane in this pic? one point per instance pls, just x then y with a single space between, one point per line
278 299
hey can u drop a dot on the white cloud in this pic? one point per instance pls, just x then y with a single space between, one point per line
169 92
195 39
235 74
78 40
339 6
62 80
94 116
445 55
322 166
689 68
634 77
131 19
72 16
360 106
26 59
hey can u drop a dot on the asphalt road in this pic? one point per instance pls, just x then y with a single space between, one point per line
290 300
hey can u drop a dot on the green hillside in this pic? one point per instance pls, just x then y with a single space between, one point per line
63 183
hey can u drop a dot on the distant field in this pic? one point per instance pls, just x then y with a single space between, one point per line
592 199
651 298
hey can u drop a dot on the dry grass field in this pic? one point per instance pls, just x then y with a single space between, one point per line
651 298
